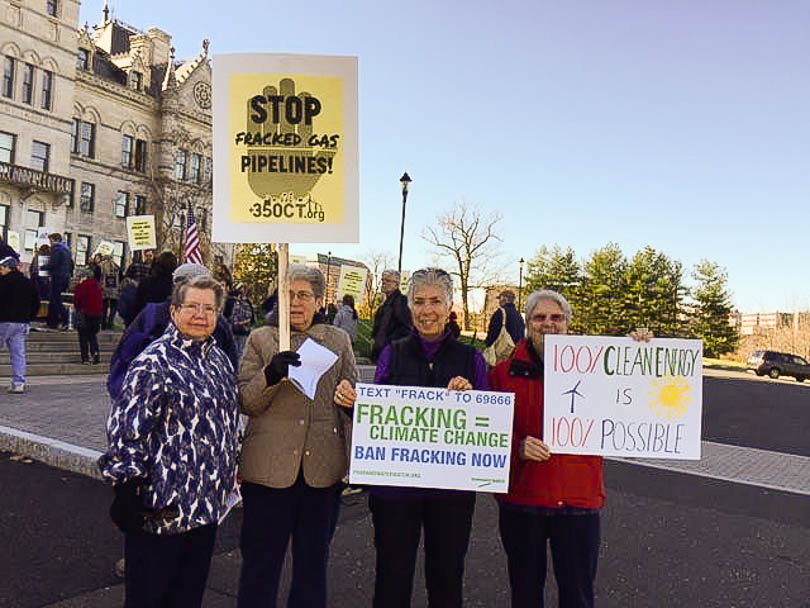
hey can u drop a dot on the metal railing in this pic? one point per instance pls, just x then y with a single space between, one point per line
40 180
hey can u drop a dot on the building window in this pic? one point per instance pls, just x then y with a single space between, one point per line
8 77
8 142
82 247
87 143
51 7
140 155
127 143
28 84
180 165
196 162
83 59
40 155
121 205
87 195
209 167
140 204
136 80
118 252
33 221
4 222
47 88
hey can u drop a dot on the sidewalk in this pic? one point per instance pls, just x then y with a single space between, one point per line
60 421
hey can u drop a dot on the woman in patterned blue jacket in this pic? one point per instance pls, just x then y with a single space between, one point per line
172 437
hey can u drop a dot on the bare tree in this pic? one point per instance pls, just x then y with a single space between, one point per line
377 261
469 239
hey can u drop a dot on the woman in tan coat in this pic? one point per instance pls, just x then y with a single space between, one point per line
294 453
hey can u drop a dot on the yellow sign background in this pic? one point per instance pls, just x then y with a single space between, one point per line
327 191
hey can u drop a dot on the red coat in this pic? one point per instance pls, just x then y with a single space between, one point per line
87 297
562 480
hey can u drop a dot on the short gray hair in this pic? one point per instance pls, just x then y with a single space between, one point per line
431 276
508 295
199 282
390 272
547 294
313 276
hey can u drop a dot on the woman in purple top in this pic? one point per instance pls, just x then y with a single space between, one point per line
430 356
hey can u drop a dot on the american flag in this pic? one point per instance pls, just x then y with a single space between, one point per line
193 254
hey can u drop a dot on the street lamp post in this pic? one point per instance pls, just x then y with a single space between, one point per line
404 180
520 284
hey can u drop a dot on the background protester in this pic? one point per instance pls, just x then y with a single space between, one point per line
39 276
138 270
87 301
20 305
553 499
60 268
150 324
392 320
431 356
453 326
110 281
294 453
157 286
172 452
346 317
514 322
239 312
141 265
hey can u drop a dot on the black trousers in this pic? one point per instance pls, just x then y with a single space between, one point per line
88 337
398 525
574 540
168 571
108 314
270 517
57 313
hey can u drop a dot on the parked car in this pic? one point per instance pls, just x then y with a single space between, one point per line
779 364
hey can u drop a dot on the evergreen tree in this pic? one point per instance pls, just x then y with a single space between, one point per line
710 320
654 293
601 297
557 269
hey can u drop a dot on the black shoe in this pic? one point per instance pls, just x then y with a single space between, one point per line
96 359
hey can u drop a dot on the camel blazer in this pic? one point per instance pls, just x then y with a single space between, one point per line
286 430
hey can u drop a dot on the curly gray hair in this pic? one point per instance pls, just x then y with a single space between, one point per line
547 294
313 276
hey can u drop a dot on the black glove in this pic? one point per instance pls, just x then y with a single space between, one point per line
126 510
279 366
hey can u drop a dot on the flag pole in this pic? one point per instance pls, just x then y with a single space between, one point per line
283 297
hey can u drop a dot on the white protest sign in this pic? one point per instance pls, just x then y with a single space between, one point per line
431 438
141 232
42 236
285 148
352 281
104 248
618 397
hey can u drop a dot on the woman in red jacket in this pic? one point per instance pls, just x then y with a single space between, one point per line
88 302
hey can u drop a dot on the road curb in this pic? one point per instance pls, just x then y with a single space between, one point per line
59 454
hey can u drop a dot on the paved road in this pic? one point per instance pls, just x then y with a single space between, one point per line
742 409
668 540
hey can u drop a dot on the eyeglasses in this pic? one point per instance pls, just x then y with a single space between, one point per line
554 317
202 309
303 296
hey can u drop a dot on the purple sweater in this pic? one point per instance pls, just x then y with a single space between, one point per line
381 375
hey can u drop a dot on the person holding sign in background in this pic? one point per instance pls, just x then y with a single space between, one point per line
430 356
294 453
552 498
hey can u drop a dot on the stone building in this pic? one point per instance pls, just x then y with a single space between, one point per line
98 123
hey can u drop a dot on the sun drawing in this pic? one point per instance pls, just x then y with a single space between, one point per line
670 397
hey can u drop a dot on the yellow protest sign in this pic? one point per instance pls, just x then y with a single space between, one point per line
285 141
141 232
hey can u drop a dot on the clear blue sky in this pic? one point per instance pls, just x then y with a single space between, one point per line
681 124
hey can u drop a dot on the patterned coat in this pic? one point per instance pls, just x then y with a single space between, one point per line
287 430
174 426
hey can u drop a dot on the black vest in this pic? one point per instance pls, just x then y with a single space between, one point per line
409 367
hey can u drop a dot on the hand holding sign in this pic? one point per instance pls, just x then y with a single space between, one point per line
284 158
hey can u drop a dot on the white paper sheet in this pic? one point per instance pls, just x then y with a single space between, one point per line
315 361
